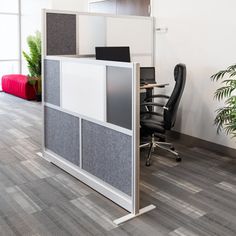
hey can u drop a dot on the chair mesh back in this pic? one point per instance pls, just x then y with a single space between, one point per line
173 102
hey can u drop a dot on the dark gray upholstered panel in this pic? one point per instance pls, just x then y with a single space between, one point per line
62 134
52 82
107 154
119 96
61 34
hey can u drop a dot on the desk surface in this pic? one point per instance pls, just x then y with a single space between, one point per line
150 86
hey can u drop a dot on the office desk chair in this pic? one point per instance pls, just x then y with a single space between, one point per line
156 122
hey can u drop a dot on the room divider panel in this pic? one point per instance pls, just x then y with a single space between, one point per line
91 123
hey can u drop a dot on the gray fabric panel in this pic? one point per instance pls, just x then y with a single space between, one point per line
61 34
52 82
107 154
119 96
62 134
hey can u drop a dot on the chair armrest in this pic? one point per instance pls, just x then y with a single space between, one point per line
157 96
154 104
160 96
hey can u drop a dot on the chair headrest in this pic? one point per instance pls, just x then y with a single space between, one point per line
179 69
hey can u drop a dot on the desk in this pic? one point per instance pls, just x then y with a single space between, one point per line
151 86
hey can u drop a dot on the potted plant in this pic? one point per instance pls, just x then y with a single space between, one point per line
226 116
34 63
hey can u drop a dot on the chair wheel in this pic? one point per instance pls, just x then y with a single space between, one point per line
148 163
172 148
178 159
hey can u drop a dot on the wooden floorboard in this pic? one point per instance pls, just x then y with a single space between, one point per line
194 197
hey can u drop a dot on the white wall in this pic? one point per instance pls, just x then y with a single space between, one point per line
201 34
70 5
31 22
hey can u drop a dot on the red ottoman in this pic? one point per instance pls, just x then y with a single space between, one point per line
18 85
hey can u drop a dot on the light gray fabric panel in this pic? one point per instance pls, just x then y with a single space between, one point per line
62 134
52 82
119 96
107 154
61 34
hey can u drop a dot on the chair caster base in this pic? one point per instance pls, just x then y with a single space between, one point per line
178 159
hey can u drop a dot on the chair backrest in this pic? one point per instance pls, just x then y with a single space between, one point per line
173 102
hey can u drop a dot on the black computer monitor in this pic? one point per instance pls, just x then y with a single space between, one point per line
113 53
147 75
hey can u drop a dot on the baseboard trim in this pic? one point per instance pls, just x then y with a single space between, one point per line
193 142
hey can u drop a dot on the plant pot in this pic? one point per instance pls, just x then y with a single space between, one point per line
38 97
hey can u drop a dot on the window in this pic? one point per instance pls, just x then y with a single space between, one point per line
9 40
9 6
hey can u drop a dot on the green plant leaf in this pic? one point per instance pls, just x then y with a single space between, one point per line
33 59
226 116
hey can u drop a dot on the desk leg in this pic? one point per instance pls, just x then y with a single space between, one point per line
149 92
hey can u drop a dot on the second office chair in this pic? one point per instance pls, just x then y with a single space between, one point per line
155 123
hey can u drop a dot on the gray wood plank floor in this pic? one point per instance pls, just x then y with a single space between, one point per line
194 197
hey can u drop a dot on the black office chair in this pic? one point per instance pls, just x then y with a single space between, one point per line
155 123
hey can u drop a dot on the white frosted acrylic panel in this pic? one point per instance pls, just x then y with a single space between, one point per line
133 32
91 33
143 60
83 89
